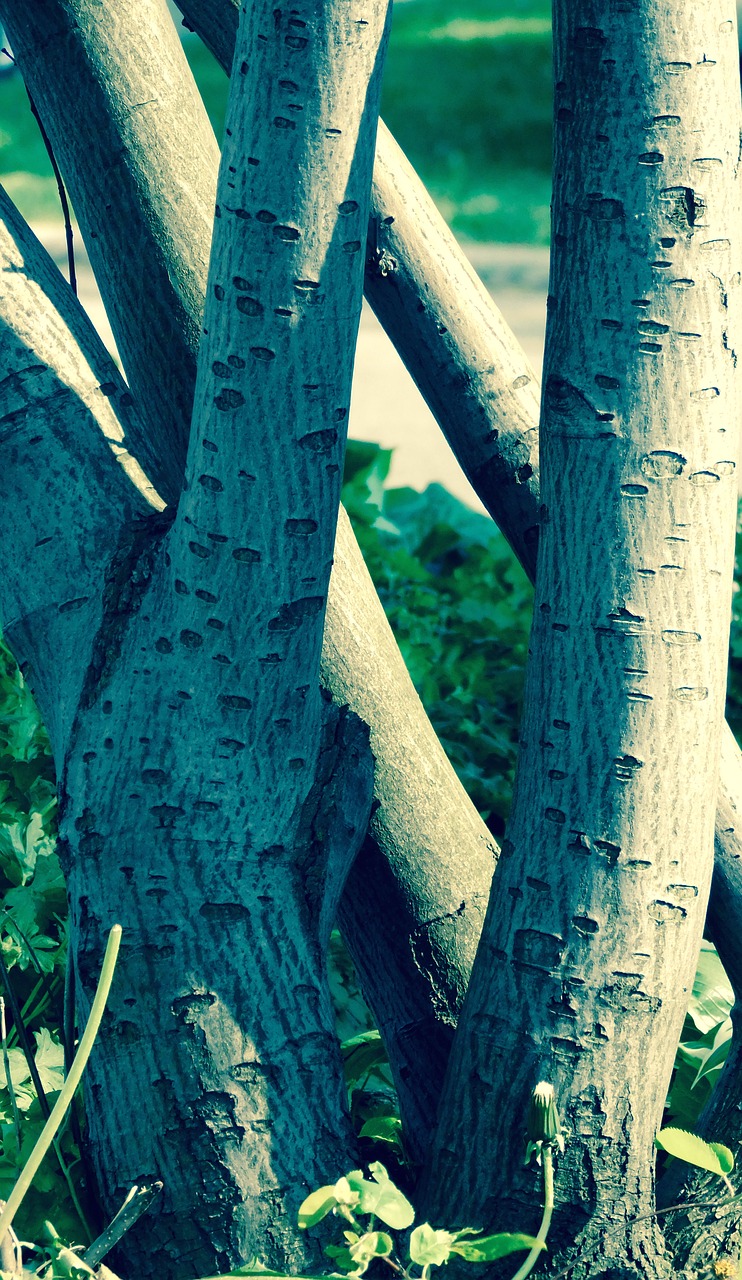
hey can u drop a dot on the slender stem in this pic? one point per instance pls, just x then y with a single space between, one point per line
67 1093
22 1034
62 195
543 1231
60 184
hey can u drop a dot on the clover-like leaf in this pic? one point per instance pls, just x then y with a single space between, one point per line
374 1244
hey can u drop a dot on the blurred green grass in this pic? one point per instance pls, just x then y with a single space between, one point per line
467 93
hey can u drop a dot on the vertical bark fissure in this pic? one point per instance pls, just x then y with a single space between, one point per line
592 933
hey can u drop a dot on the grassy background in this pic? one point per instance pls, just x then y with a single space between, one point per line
467 94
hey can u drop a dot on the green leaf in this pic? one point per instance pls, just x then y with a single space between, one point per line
341 1252
382 1198
49 1058
490 1248
344 1193
252 1269
361 1054
429 1247
712 996
316 1207
714 1059
383 1129
374 1244
726 1159
690 1148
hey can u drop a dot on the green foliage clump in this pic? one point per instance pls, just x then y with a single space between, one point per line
467 92
33 948
354 1197
704 1042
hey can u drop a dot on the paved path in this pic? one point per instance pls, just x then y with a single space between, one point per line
386 406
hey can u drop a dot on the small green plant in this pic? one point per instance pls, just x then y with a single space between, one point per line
545 1133
362 1202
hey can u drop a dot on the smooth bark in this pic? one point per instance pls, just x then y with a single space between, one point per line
597 908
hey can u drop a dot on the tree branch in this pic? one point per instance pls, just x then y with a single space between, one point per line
593 926
398 786
139 158
65 416
463 356
256 521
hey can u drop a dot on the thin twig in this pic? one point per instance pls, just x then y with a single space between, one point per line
62 195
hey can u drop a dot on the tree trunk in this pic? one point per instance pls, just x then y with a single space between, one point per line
478 384
597 908
210 795
426 839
